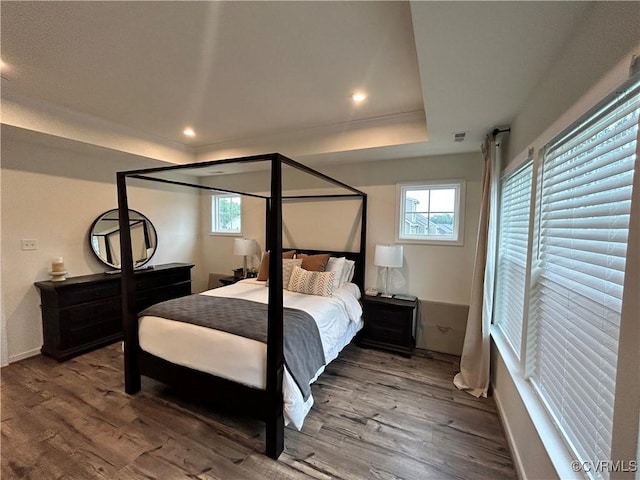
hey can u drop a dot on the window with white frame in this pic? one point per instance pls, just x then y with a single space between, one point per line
515 205
583 191
226 214
431 212
579 269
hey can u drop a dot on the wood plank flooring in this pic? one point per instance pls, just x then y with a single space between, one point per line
376 416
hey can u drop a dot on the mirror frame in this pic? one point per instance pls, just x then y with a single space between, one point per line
149 230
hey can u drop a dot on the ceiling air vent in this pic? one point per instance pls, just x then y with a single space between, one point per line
459 137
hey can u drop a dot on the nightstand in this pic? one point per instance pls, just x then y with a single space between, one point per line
389 324
228 280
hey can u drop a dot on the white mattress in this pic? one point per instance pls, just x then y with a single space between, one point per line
244 360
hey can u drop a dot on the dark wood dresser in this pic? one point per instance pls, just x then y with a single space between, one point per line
84 313
389 324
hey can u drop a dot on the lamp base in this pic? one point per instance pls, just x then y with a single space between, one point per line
385 293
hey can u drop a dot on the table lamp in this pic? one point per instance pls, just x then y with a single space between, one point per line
388 256
244 247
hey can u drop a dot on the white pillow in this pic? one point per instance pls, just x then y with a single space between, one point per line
336 265
311 283
348 271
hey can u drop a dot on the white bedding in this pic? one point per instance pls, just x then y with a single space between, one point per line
244 360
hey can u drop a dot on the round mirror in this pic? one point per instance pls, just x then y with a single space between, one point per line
104 238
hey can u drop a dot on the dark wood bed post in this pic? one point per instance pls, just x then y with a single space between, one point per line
130 321
275 356
267 216
363 243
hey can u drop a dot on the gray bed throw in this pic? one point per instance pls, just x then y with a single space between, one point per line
303 353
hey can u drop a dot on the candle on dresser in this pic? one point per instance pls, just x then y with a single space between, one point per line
57 265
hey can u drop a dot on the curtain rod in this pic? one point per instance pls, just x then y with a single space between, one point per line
496 131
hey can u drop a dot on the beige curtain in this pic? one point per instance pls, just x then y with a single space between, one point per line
474 364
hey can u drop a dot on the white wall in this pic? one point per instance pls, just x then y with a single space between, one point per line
605 42
593 63
433 273
52 190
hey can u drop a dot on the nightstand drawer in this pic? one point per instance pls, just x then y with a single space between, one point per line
388 317
384 332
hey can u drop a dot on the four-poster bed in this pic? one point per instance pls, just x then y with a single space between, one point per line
262 403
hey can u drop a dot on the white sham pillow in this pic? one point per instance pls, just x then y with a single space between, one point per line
348 271
336 265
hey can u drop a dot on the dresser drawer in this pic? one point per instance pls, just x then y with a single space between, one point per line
88 314
150 280
90 321
157 295
80 293
106 327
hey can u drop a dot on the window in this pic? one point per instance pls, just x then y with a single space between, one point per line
578 274
226 216
431 212
515 204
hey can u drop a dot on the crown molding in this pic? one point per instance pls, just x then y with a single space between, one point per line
43 117
381 131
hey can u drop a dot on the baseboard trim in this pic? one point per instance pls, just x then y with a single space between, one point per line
23 355
515 454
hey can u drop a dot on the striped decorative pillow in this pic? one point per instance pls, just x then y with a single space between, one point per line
311 283
287 267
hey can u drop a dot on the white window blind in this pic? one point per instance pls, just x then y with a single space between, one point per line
512 254
578 275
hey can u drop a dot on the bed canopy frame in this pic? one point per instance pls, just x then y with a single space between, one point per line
267 404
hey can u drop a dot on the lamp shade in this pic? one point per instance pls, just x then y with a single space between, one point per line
388 256
244 246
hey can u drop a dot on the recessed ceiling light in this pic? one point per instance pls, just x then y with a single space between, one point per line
359 97
189 132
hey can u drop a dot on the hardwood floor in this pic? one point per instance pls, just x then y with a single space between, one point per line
376 416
